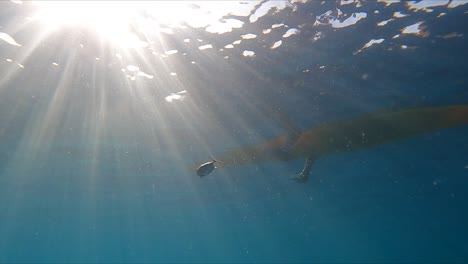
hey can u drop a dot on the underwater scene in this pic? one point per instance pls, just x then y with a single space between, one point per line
234 131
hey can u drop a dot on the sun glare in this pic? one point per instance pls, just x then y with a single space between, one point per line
90 13
113 19
110 19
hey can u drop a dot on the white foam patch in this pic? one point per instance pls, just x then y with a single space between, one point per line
179 96
170 52
143 74
229 46
248 53
373 41
425 4
224 26
290 32
339 12
413 29
317 36
369 44
389 2
456 3
133 71
383 23
132 68
248 36
265 7
398 14
277 44
8 39
347 2
278 25
353 19
204 47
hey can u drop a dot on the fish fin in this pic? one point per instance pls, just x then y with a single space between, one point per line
300 178
303 176
215 160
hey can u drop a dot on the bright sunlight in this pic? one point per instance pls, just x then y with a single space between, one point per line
113 20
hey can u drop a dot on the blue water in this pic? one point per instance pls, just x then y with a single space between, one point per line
94 164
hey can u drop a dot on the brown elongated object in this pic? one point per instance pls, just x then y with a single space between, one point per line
348 135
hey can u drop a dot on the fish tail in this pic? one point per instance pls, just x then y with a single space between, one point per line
215 159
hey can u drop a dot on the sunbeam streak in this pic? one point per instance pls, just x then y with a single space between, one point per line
106 107
112 19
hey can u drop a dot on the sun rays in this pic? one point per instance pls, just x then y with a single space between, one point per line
162 61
